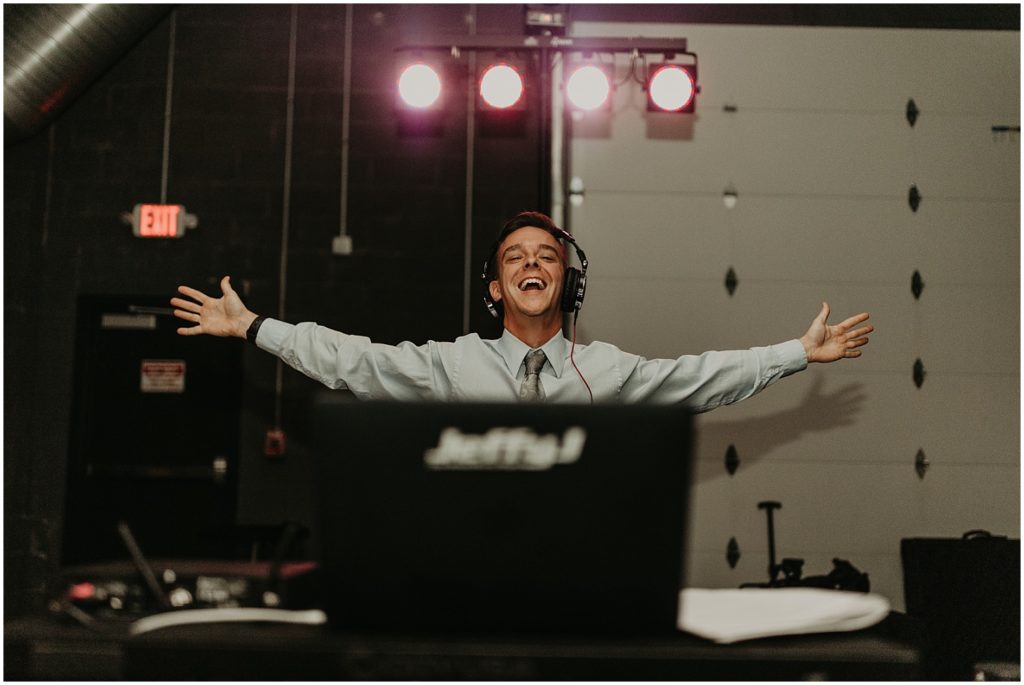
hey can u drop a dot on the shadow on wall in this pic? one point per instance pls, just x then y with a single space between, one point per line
818 412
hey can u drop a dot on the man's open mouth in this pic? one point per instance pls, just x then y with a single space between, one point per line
532 284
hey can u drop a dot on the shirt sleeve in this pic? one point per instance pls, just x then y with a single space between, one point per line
369 370
713 379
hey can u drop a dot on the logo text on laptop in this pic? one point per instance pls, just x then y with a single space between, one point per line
505 449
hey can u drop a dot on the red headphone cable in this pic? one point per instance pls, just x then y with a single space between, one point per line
573 360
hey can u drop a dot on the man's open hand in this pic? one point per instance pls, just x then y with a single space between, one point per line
220 316
824 343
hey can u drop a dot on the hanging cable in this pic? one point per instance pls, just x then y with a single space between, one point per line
168 96
572 358
286 203
629 72
342 243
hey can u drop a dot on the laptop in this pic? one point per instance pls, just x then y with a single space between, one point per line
501 518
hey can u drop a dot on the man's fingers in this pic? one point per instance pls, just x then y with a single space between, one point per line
854 320
825 311
860 332
192 330
225 285
193 293
857 343
187 305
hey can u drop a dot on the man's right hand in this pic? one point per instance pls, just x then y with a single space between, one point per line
221 316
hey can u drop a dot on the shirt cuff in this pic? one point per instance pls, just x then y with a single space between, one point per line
272 334
791 354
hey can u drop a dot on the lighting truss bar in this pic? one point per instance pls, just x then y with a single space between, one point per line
557 43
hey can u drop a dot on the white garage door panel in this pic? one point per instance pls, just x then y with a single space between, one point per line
816 416
965 71
773 235
854 69
810 153
822 157
846 509
958 498
660 319
969 420
655 164
966 242
775 152
958 156
658 236
785 310
825 507
971 329
786 67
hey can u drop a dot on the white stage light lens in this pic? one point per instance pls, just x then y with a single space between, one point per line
501 86
419 86
588 88
671 88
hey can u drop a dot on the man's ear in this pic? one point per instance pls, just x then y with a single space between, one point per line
494 288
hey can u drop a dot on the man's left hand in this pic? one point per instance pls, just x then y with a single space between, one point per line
824 343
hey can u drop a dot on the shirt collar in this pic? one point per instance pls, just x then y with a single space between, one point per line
513 351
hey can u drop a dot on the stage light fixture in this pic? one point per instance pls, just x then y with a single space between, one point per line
500 67
501 86
419 86
672 88
589 88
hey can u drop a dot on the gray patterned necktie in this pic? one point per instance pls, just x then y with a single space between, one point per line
531 390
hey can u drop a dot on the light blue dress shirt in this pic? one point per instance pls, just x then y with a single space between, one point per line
473 369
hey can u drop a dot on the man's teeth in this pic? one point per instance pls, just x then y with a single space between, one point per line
531 282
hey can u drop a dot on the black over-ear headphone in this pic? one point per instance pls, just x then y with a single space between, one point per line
574 287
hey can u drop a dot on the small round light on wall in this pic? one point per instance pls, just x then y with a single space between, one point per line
501 86
729 197
576 191
671 88
588 88
419 86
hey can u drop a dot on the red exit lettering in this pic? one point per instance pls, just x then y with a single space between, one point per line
158 221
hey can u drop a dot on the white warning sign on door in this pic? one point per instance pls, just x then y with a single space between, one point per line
163 375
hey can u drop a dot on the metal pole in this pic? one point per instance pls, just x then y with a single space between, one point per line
544 143
286 202
769 508
165 163
346 115
467 268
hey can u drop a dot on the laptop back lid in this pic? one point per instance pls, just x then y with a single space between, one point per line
505 518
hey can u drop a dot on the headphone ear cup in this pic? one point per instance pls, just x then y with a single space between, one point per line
492 306
495 308
569 288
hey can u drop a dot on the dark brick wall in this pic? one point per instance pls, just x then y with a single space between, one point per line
25 184
66 188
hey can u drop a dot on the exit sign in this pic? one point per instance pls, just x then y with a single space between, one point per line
158 221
